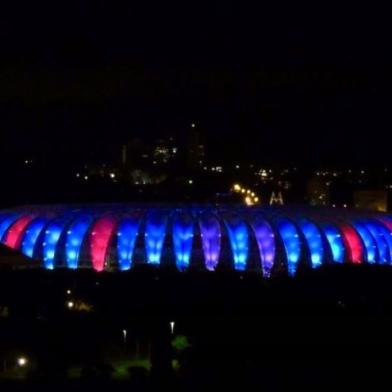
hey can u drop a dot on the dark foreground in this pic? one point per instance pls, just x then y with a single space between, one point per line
325 330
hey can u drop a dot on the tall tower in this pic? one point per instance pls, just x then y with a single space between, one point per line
195 149
124 155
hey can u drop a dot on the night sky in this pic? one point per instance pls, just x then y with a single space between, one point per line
268 83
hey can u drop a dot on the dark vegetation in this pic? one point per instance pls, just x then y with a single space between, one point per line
323 329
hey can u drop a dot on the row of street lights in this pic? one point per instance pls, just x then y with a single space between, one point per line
250 197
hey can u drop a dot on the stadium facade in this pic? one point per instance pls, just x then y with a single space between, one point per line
269 240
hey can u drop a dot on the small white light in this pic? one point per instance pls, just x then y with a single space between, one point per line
172 327
68 291
22 361
70 304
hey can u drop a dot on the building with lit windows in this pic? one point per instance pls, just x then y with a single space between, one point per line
268 240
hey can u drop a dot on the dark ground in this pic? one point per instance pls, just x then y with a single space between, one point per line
324 330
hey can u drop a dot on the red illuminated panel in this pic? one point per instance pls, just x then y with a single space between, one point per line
15 232
353 244
101 235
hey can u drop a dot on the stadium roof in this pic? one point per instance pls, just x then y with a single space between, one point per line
268 240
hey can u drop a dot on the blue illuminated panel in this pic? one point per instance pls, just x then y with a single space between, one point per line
126 240
381 236
5 222
182 240
52 235
368 241
239 242
154 237
386 230
335 242
292 244
211 240
74 240
31 235
314 241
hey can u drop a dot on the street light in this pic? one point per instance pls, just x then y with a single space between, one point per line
22 361
70 304
172 327
248 201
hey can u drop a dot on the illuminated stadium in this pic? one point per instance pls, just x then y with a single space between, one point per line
268 240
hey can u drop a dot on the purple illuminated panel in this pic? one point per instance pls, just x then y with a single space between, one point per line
211 240
265 239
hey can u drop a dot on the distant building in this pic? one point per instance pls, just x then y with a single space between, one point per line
195 149
134 153
164 150
318 192
376 200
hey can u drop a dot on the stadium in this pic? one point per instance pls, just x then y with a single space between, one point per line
266 240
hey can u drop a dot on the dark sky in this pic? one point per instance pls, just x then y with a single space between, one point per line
275 83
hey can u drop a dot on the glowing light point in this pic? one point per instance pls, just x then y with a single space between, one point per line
22 361
70 304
